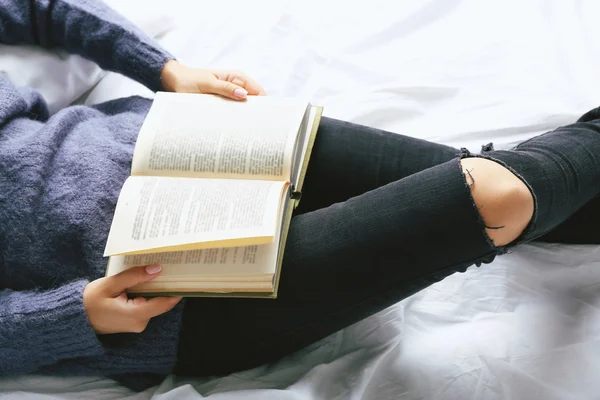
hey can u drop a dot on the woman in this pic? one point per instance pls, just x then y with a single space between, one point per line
382 217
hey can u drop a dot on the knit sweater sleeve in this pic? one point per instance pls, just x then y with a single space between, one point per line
43 328
88 28
48 331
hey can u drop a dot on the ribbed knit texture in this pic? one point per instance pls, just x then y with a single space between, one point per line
59 182
47 323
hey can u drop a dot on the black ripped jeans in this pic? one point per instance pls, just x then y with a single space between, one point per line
382 217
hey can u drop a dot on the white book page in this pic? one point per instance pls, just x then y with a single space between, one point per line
193 135
248 263
157 214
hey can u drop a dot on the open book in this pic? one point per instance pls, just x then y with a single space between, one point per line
212 188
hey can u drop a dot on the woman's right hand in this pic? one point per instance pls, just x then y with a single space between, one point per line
109 310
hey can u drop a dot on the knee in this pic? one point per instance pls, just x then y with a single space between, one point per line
504 202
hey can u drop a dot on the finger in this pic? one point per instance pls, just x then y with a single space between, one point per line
246 82
238 82
117 284
251 85
122 298
228 89
138 301
124 301
155 306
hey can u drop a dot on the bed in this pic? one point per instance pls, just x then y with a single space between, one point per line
460 72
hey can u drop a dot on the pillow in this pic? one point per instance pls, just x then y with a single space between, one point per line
62 78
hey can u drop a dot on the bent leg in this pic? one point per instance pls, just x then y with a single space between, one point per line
349 260
352 259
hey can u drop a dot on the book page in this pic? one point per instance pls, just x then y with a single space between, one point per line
249 263
157 214
194 135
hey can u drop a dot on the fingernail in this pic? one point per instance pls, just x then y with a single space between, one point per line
153 269
240 93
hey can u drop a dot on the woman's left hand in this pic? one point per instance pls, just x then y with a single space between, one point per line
234 85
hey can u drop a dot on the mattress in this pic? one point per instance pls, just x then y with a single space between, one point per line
459 72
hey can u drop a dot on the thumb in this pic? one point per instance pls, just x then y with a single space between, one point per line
134 276
228 89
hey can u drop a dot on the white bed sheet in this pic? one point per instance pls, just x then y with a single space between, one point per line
460 72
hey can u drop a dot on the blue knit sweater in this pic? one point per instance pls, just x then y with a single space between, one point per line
59 182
